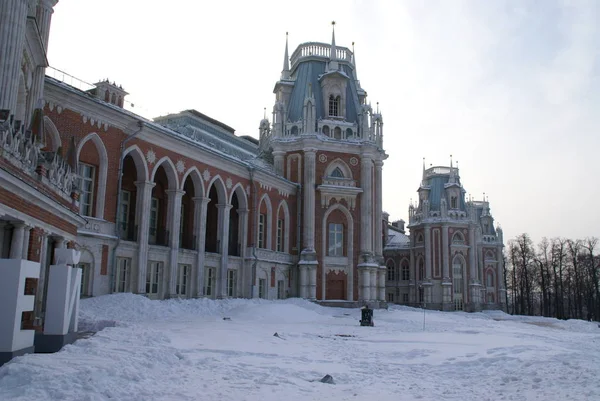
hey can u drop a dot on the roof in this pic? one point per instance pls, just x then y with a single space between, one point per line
397 240
310 72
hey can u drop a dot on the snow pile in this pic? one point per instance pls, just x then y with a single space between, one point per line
184 350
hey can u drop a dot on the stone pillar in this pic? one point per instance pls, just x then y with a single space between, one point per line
242 281
373 281
278 157
365 284
366 207
224 249
312 282
309 198
174 224
378 208
26 236
200 205
16 245
303 281
445 253
472 253
427 249
381 275
142 209
13 20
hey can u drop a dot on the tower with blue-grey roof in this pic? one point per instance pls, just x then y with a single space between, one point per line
325 136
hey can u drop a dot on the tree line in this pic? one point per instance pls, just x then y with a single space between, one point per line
556 278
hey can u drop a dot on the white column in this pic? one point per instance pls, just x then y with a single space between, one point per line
309 198
303 281
378 209
365 284
142 209
366 207
428 248
200 204
472 253
39 296
381 275
16 245
445 251
243 232
224 249
373 281
312 282
13 19
174 223
26 236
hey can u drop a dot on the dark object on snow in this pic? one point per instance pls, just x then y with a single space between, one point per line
226 318
277 335
327 379
366 317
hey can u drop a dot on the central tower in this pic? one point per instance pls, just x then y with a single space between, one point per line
329 140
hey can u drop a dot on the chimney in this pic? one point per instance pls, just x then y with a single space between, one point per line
110 92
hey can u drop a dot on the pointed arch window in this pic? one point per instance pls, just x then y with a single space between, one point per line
337 173
334 106
453 202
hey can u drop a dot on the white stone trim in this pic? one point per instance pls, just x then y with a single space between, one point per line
102 170
172 176
349 250
140 162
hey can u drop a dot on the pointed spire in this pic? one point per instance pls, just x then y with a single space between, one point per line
423 178
285 73
333 54
353 56
265 114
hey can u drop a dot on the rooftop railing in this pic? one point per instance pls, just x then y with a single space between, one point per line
317 49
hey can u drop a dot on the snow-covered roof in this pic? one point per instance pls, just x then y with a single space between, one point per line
397 240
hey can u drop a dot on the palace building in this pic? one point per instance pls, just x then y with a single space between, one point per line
181 206
453 258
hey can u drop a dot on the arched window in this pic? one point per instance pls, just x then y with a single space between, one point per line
349 133
337 133
334 106
405 270
113 99
294 130
107 96
326 130
421 270
453 203
391 270
458 282
458 238
419 238
337 173
336 240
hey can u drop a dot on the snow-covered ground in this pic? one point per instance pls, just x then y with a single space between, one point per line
185 350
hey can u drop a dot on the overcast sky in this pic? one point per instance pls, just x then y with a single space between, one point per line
510 88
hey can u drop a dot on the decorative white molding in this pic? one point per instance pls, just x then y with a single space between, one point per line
323 158
206 175
228 183
180 166
151 156
353 161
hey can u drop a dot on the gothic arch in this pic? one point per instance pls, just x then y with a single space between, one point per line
405 265
219 187
349 244
458 238
194 174
140 162
170 170
286 224
102 170
269 223
50 132
339 163
238 189
392 274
